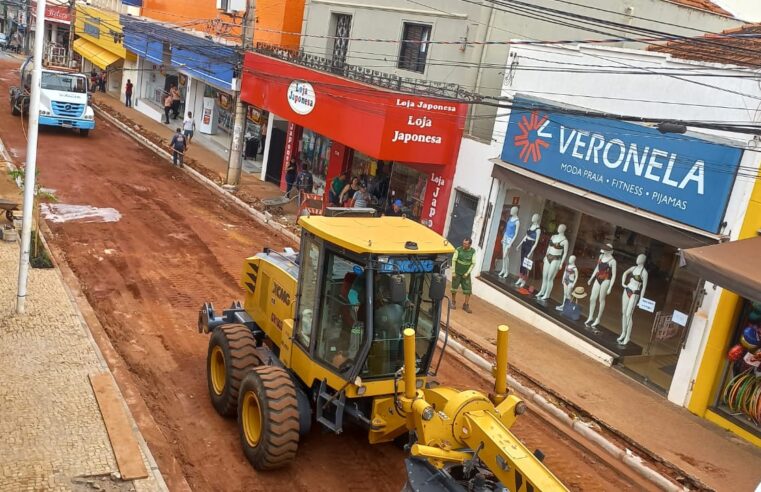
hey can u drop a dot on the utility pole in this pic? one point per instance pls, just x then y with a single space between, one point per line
72 29
30 169
239 130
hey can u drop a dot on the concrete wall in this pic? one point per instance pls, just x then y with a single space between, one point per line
619 94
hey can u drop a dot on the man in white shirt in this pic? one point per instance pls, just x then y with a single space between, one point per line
189 127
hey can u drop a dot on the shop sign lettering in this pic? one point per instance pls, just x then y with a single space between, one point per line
437 182
301 97
416 123
679 177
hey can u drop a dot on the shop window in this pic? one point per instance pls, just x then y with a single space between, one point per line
414 48
738 397
315 154
308 298
408 185
658 320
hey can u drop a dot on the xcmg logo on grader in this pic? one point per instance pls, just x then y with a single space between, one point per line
281 294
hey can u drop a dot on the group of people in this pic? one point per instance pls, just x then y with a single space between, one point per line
98 80
172 104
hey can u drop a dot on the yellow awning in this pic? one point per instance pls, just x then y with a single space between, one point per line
94 53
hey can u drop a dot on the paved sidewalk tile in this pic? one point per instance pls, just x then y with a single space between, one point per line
713 455
51 432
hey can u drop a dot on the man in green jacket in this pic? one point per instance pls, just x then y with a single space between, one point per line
463 260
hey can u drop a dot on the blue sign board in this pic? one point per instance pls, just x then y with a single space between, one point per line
683 178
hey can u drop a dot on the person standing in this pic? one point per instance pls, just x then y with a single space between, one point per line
305 180
175 101
361 197
347 194
336 187
178 145
102 80
290 176
463 261
262 135
189 128
167 107
128 93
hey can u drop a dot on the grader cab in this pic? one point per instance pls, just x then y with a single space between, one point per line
344 333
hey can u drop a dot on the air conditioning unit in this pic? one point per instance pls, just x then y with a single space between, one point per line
231 5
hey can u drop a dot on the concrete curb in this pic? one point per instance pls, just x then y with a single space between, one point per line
211 185
625 456
153 466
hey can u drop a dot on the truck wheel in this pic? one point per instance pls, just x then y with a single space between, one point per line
268 417
232 353
84 132
15 111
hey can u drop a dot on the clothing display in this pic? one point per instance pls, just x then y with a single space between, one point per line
604 271
511 229
531 237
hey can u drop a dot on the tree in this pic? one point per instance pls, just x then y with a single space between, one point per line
40 194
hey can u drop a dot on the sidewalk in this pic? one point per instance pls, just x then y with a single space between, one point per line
712 455
251 189
54 436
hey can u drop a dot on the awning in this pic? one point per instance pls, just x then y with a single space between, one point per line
94 53
734 266
634 219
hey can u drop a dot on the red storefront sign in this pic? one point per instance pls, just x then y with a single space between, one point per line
55 13
382 124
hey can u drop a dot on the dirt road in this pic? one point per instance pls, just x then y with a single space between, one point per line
176 245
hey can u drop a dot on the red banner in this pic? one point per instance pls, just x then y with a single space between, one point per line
54 13
380 123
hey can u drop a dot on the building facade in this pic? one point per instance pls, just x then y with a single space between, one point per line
614 186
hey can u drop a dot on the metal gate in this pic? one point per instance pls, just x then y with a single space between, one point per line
341 39
463 216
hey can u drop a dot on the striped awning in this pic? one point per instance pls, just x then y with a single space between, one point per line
98 56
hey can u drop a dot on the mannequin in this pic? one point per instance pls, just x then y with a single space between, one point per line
634 289
557 250
570 277
527 247
602 283
508 238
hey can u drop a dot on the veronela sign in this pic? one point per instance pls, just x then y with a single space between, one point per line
679 177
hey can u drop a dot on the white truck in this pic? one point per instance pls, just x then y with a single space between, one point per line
64 99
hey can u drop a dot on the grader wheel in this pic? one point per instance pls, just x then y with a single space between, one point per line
268 417
232 353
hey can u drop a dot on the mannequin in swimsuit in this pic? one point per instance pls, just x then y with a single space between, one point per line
527 247
508 238
602 283
557 250
634 289
570 276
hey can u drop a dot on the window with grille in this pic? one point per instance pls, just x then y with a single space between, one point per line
341 37
414 49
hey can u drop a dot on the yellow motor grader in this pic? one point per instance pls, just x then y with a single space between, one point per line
345 331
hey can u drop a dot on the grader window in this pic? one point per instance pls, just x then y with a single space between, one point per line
309 273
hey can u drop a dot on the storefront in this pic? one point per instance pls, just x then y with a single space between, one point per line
100 44
605 206
57 31
728 384
200 69
403 147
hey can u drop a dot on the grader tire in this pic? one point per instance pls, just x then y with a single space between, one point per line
268 417
232 354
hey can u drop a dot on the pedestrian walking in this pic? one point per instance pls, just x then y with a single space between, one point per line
167 107
305 180
189 127
463 261
102 81
175 101
178 145
128 93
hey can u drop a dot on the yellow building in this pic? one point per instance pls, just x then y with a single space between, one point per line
712 393
99 41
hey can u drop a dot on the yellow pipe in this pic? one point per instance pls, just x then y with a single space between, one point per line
500 370
410 391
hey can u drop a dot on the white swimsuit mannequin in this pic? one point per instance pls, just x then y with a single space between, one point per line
557 250
602 283
508 238
527 246
634 289
570 277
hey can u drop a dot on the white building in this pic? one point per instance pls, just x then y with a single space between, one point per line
614 183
